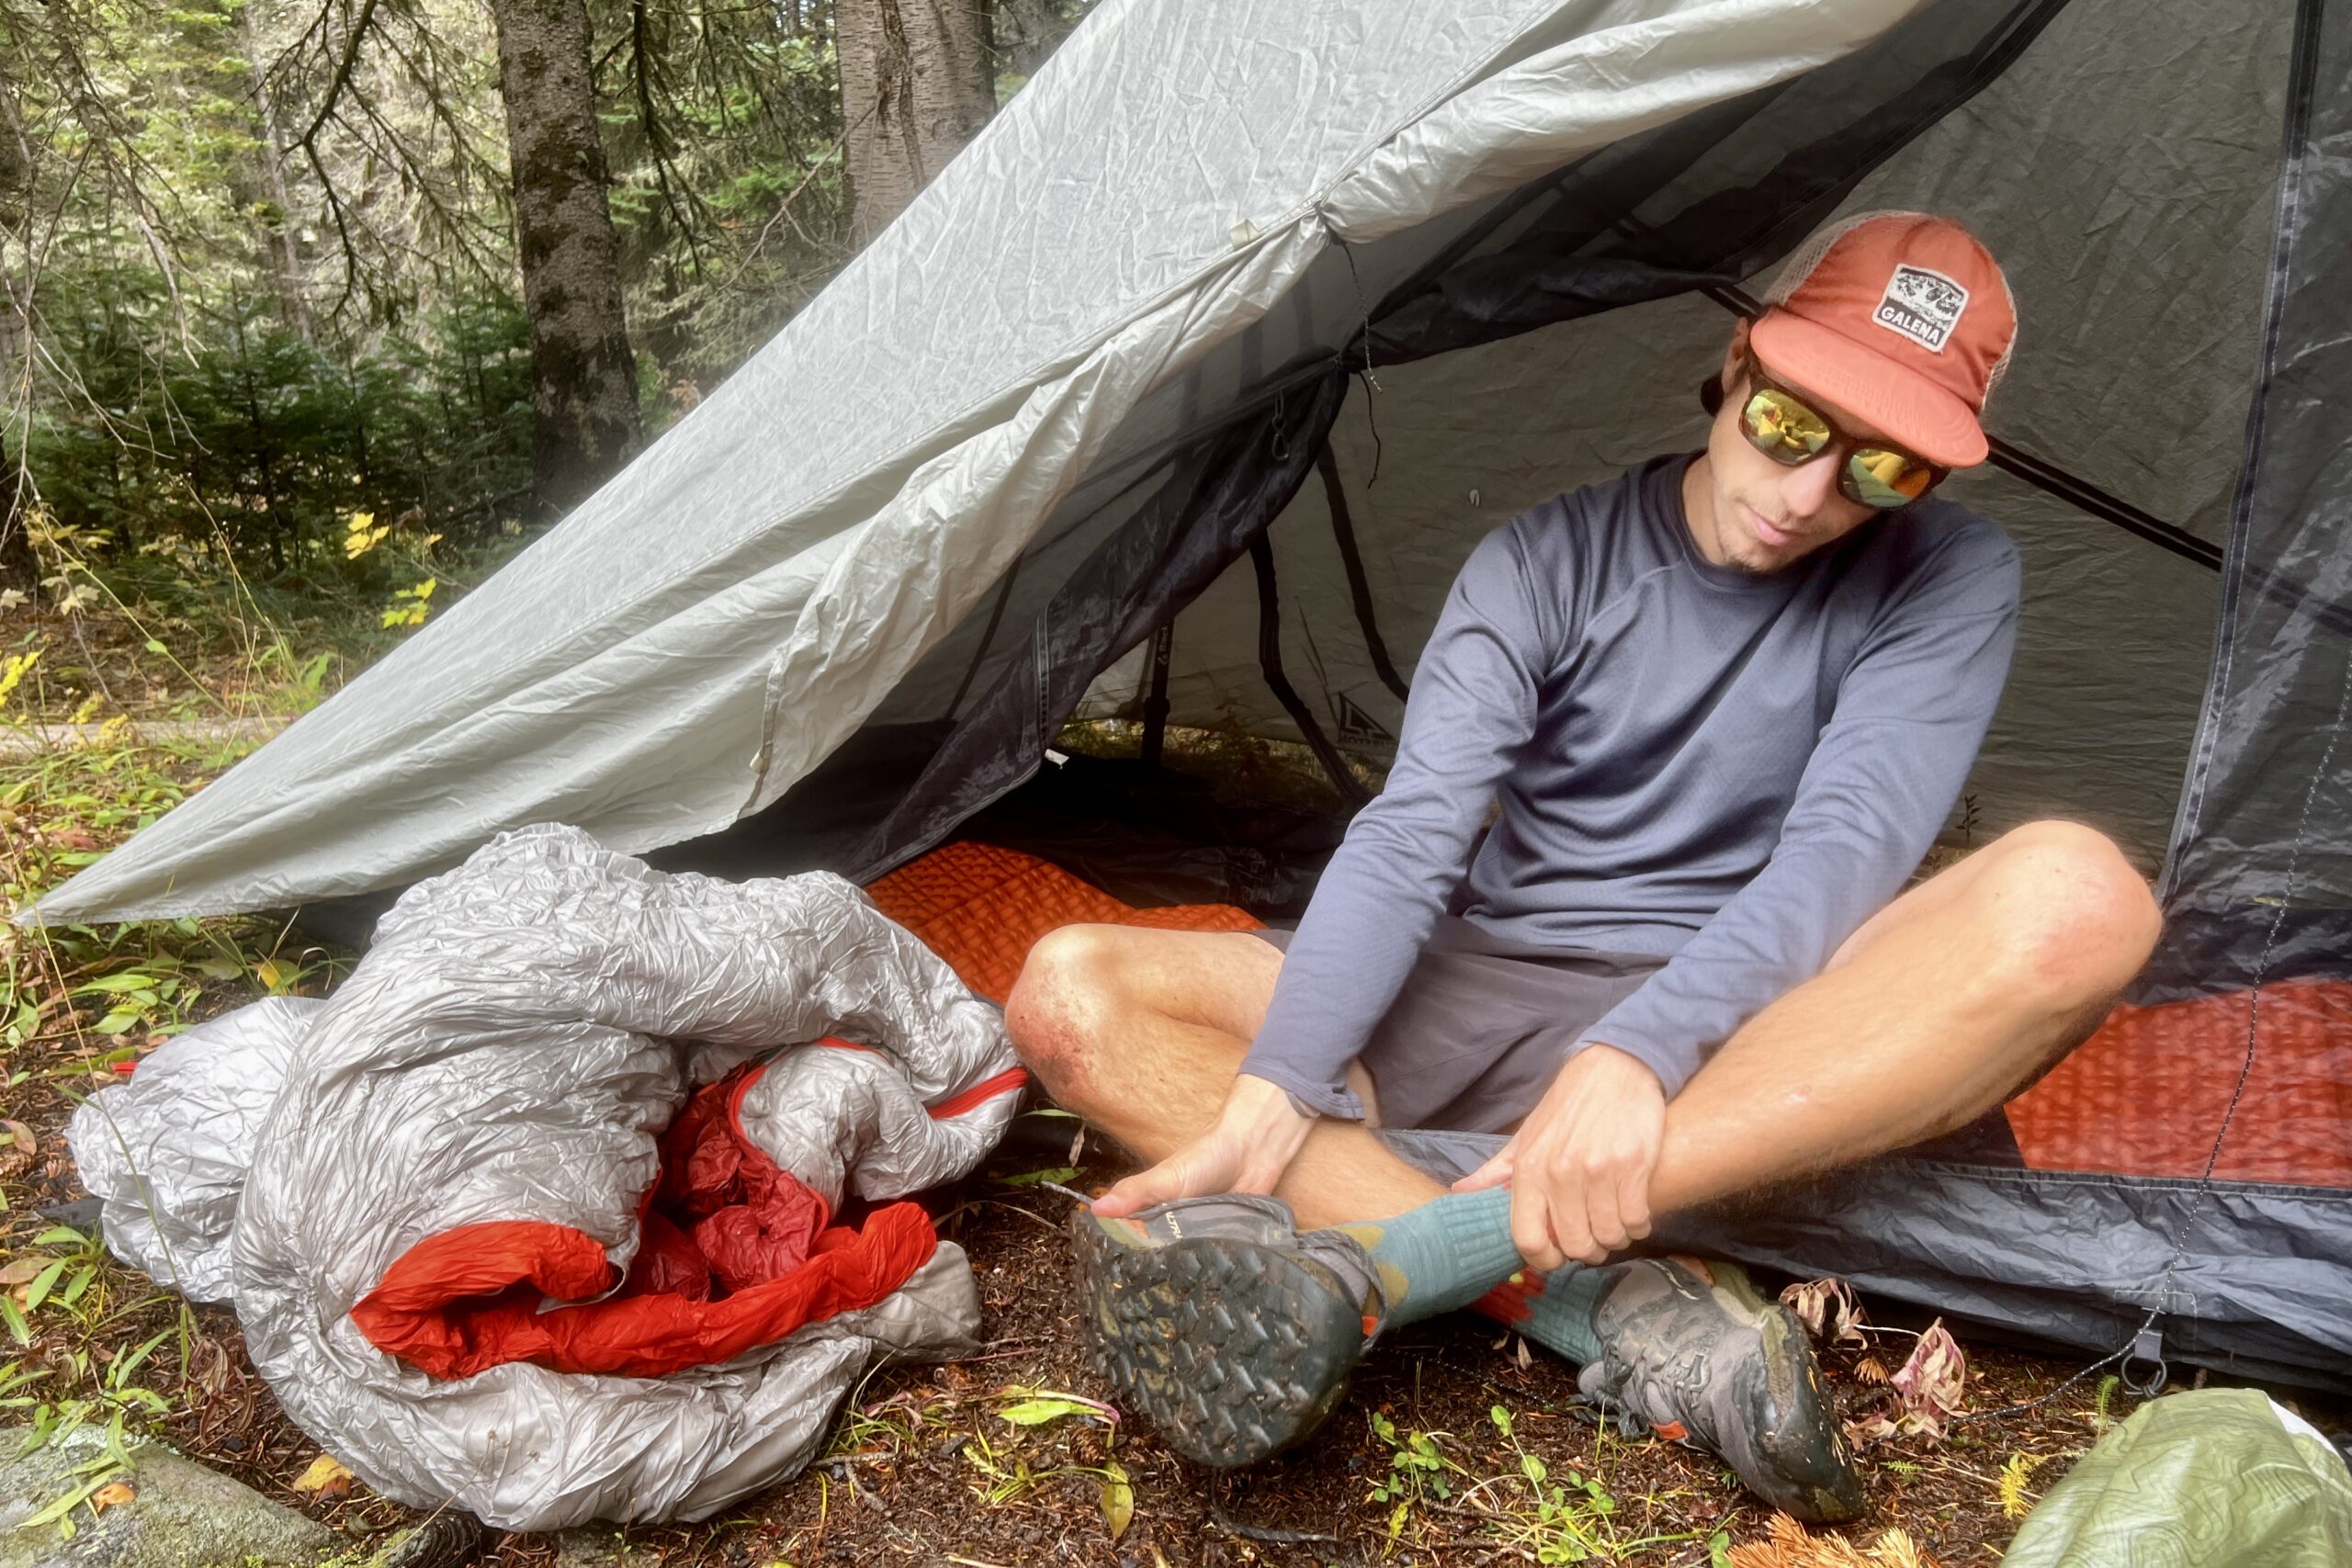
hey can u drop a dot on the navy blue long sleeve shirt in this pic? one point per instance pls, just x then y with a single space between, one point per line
1724 770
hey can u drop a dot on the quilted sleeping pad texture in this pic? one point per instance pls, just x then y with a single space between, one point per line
465 1142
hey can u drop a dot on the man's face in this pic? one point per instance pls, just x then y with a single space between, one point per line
1748 511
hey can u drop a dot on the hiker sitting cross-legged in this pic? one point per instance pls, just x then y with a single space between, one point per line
1717 710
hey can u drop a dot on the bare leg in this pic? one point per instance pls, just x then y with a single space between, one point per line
1140 1032
1938 1008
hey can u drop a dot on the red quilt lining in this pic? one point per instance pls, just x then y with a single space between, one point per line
734 1253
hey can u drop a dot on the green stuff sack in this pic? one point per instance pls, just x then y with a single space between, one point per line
2220 1478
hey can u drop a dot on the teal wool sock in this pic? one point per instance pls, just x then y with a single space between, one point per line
1444 1255
1554 1308
1456 1251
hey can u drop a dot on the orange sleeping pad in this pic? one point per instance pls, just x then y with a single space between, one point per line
2146 1094
982 908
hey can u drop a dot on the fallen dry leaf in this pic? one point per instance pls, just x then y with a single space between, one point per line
22 1272
327 1477
1827 1309
113 1494
1870 1369
1864 1430
1932 1383
18 1146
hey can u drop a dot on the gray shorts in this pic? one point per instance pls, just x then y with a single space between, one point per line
1482 1025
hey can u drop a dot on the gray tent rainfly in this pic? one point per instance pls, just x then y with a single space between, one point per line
726 612
1186 389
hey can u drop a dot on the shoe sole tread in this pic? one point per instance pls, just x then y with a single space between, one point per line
1233 1351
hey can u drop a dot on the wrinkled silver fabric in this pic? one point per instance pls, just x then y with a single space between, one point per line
519 1034
181 1139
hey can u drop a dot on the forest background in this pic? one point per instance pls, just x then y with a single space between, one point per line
309 308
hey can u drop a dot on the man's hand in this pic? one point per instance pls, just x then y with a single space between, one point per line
1245 1150
1580 1165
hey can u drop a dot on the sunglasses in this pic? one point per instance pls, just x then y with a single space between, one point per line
1790 430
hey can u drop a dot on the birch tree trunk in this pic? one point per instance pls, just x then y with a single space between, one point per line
584 397
916 86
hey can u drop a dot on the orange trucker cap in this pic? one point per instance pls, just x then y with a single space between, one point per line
1900 319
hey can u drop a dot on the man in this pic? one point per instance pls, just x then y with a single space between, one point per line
1716 712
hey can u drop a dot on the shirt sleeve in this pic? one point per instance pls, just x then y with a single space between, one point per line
1472 709
1910 712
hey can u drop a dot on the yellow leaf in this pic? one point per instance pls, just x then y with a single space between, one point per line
1118 1499
276 976
326 1470
113 1494
13 670
364 535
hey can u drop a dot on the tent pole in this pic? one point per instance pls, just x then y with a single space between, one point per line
1343 530
1269 661
1155 705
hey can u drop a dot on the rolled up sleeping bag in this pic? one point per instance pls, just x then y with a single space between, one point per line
582 1197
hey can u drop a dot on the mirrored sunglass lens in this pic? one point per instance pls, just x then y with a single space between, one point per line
1782 428
1876 477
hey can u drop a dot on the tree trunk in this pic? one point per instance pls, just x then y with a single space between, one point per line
18 568
279 229
584 377
916 86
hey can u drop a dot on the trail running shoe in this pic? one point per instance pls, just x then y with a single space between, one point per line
1221 1322
1691 1351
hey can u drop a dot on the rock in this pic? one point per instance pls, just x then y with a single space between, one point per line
601 1546
180 1515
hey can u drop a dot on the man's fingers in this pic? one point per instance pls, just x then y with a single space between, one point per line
1572 1227
1141 1191
1120 1201
1634 1202
1530 1227
1494 1173
1603 1224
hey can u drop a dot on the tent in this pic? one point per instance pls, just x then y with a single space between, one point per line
1184 390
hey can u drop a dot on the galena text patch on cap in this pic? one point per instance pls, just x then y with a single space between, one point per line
1923 306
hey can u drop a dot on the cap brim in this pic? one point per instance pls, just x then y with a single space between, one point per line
1913 412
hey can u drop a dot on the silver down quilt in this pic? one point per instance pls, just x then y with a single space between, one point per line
576 1200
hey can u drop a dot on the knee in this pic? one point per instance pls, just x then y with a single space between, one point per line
2066 912
1063 1006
